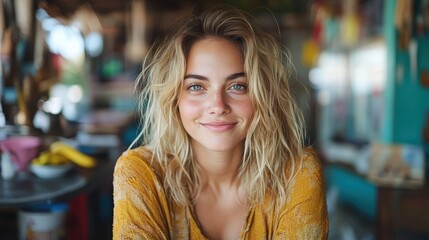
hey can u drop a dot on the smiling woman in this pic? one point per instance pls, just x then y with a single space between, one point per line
222 155
215 107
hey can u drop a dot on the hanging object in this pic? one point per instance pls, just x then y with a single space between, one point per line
412 49
2 25
424 79
310 53
90 26
136 46
311 47
350 23
24 14
426 130
94 44
403 22
350 29
426 14
331 31
318 24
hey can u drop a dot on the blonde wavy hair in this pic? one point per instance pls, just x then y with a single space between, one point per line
274 142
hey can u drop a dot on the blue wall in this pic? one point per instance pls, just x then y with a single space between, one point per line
407 102
411 99
353 190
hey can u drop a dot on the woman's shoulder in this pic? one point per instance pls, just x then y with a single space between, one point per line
137 157
138 162
304 214
309 173
306 175
310 163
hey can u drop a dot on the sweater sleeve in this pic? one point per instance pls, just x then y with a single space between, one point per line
140 206
305 215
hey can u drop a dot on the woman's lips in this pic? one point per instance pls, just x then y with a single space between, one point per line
219 127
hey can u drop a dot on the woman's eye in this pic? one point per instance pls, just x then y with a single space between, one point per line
195 87
240 87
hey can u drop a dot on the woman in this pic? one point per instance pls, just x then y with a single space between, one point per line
223 154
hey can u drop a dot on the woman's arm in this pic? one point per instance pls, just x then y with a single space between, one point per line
305 215
140 206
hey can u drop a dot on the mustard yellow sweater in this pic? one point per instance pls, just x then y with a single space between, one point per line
143 211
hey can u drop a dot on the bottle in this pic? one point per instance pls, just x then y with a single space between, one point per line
7 167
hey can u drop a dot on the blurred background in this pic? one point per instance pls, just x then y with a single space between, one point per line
67 69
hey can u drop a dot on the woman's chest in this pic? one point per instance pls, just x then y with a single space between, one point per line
221 221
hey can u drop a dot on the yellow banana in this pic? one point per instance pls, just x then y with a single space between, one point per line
57 159
49 158
42 159
72 154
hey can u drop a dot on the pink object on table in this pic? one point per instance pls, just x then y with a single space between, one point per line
22 149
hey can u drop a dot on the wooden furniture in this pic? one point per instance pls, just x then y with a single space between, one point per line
403 213
397 212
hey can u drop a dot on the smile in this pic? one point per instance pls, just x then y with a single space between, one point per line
219 127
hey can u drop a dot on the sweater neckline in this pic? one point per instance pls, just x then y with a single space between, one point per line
244 229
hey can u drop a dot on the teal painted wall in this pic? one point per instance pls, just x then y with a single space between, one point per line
406 101
411 101
353 190
389 93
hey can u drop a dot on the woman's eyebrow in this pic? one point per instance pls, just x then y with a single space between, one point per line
200 77
196 76
235 75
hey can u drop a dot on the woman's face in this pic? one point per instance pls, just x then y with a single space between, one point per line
214 105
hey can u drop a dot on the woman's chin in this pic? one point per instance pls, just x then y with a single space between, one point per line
220 146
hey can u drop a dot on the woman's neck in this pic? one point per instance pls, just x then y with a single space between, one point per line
218 170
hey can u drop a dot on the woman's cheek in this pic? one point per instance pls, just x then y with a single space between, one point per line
190 108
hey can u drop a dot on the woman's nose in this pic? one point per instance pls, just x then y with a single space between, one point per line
218 104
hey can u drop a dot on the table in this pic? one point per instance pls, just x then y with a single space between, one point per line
398 212
26 189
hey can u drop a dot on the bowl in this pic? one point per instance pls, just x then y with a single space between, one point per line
50 171
22 149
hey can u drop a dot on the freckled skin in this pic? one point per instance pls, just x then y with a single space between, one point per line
215 107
